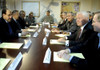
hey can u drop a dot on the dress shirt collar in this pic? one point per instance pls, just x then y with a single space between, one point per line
82 27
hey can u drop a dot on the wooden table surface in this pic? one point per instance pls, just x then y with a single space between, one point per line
33 57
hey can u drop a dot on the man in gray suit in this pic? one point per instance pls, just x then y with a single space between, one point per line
70 25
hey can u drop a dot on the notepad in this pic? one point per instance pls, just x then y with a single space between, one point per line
28 35
31 30
34 26
10 45
3 62
55 41
60 35
57 59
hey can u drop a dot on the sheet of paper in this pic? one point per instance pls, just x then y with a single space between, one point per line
28 35
3 62
60 35
44 41
10 45
16 61
47 57
27 44
31 30
55 41
34 26
57 59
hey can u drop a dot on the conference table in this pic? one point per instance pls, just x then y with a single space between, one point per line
33 56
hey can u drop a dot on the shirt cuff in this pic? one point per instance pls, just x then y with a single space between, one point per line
70 58
67 42
19 34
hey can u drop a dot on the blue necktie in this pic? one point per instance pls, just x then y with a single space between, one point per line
10 30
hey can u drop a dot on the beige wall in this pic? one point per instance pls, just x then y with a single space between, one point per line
86 5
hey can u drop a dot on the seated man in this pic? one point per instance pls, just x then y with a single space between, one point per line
6 31
70 25
14 24
82 33
90 50
48 18
61 23
21 20
30 19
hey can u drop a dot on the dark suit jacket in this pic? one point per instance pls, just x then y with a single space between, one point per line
15 26
61 24
87 31
90 51
70 26
22 23
4 31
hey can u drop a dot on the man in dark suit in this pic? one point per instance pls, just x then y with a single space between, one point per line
64 20
21 20
14 23
70 25
90 49
83 32
6 31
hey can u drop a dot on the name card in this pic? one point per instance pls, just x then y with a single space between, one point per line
15 62
44 41
47 34
47 30
27 44
35 34
39 30
47 57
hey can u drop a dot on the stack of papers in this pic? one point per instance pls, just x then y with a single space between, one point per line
57 59
3 63
55 41
11 45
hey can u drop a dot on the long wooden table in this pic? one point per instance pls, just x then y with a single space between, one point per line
33 57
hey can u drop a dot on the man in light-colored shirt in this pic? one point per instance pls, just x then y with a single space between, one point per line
48 18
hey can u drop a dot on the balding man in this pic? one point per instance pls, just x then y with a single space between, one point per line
90 49
6 31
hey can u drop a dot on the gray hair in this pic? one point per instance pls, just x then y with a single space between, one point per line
84 13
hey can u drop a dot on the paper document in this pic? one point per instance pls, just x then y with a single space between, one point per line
47 57
28 35
47 30
34 26
57 59
10 45
55 41
31 30
3 63
16 61
60 35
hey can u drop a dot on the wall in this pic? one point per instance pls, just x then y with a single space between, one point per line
55 7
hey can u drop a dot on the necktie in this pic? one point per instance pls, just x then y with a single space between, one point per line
79 33
10 30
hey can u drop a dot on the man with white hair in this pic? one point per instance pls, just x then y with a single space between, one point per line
82 33
90 49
